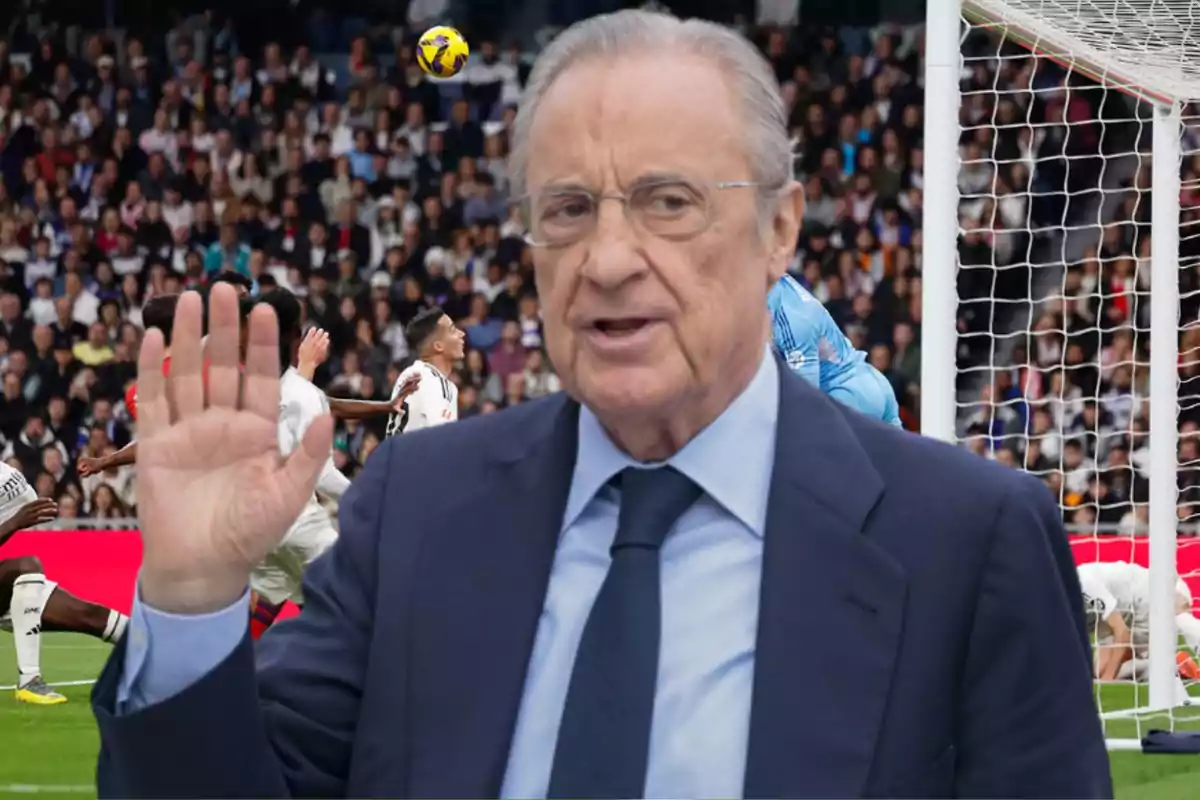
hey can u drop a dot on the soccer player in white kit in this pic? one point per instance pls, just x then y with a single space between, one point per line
438 344
1117 603
31 604
279 577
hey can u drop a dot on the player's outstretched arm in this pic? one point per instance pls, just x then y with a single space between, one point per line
122 458
1029 642
342 408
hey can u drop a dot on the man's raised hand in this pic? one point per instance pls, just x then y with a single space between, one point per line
214 495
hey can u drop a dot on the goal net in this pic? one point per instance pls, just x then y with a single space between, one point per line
1078 176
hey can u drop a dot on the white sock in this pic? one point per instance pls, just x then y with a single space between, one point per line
26 612
114 629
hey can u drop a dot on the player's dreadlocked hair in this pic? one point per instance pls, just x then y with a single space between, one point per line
233 278
245 306
423 326
159 312
287 312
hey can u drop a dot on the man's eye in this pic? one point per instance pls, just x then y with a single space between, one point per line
566 208
666 201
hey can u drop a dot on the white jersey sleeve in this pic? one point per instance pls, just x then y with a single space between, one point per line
297 410
300 404
1115 586
15 492
1098 598
435 402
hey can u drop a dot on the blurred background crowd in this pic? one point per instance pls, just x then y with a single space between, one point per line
146 149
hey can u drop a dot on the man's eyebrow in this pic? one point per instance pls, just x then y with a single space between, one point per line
565 186
644 179
659 176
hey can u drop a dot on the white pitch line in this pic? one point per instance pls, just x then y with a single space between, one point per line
59 683
37 788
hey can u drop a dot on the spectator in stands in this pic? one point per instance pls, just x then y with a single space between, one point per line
373 193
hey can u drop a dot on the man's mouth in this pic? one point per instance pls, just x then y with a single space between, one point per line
620 327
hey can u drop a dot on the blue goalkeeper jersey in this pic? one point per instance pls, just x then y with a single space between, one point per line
815 348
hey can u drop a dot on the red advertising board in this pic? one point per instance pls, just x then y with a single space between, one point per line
101 566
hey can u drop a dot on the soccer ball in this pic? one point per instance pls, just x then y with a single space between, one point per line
442 52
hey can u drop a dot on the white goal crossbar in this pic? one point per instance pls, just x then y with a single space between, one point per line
1149 50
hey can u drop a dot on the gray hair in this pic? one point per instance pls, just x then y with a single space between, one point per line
623 33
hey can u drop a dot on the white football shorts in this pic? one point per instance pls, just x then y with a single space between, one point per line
280 576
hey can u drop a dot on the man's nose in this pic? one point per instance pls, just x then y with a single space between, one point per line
614 249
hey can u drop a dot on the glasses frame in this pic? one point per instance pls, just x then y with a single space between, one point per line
623 199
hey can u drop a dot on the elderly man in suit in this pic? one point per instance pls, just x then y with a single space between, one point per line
691 575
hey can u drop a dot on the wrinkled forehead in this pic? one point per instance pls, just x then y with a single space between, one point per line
604 123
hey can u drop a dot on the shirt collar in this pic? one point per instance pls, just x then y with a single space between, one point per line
731 459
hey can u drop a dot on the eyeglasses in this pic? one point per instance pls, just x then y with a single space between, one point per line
668 209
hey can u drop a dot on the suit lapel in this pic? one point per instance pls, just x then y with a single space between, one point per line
482 586
831 609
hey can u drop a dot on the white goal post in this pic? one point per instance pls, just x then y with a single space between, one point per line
1061 182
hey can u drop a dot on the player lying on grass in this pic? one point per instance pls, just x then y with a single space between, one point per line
159 313
1116 599
815 348
31 604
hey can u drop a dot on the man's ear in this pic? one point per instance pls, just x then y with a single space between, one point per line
785 229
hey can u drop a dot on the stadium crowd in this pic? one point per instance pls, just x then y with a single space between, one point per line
1072 404
148 164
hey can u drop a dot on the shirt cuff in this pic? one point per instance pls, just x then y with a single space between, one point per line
167 653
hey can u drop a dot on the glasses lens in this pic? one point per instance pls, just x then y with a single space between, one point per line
557 217
672 209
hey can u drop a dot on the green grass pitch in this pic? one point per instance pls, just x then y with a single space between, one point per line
50 751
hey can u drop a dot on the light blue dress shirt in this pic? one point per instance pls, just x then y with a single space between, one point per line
711 574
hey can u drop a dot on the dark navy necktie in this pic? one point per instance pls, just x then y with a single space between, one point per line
604 740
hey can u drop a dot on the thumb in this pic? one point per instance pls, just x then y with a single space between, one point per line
304 465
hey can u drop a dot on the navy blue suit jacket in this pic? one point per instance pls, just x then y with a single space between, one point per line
921 629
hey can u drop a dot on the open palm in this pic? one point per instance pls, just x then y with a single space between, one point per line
214 494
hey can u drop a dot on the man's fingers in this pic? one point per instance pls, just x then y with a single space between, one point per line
153 411
304 465
186 382
223 373
263 365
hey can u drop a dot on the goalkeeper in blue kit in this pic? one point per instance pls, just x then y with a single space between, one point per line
815 348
